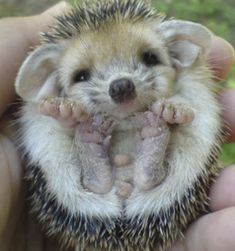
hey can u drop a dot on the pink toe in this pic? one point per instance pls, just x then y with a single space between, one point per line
184 117
149 131
76 110
65 110
52 109
168 115
157 108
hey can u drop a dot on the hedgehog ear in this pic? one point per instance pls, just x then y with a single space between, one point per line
37 77
186 41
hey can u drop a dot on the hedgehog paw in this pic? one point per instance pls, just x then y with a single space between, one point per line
92 137
150 170
174 113
66 112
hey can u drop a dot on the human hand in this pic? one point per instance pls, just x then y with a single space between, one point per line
214 231
17 35
209 232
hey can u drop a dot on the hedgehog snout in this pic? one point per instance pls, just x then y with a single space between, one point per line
122 90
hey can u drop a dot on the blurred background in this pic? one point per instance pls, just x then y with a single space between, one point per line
218 15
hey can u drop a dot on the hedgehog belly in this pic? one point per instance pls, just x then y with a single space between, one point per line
137 233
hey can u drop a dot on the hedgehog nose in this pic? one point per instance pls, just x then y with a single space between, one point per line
122 90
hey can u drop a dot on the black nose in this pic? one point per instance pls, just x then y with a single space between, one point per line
122 90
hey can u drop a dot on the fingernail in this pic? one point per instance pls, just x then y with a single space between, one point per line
230 48
222 44
221 57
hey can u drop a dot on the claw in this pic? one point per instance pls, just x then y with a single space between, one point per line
174 113
65 111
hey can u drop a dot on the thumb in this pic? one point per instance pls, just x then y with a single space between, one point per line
17 36
43 21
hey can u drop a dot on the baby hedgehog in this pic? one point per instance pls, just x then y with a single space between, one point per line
120 127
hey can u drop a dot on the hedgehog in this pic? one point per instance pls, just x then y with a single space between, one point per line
120 127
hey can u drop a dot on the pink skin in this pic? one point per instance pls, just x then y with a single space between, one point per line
149 164
173 113
67 112
149 170
92 136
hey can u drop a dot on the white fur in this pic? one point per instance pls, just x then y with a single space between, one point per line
189 148
52 148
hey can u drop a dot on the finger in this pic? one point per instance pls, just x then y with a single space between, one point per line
223 191
5 189
227 100
17 36
221 57
212 232
34 236
10 184
51 245
222 197
44 20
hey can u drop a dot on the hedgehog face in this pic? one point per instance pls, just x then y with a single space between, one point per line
118 69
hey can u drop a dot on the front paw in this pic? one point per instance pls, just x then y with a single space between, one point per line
66 112
174 113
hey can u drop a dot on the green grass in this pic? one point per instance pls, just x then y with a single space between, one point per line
228 154
7 10
231 83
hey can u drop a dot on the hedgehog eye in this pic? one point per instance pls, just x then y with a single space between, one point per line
150 59
81 76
